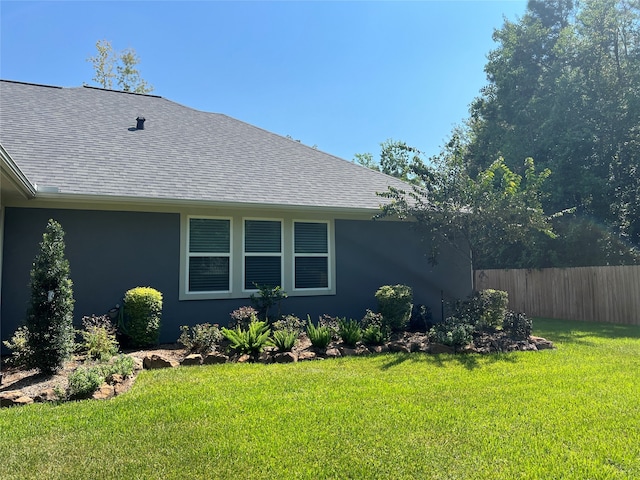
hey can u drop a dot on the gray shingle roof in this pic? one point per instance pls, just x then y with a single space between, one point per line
83 141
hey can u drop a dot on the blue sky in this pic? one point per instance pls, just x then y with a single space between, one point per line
344 76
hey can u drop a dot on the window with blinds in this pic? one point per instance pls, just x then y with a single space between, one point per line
262 253
209 255
311 255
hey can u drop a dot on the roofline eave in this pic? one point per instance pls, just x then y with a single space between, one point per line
15 175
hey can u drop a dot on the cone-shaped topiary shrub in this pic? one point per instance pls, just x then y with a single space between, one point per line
142 314
49 322
395 303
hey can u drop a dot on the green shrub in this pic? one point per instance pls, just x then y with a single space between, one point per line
143 312
350 331
290 323
122 365
242 317
50 313
485 309
202 338
266 298
84 381
373 335
285 340
517 325
395 303
454 332
99 337
19 346
252 340
319 336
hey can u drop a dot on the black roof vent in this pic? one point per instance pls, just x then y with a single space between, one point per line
140 123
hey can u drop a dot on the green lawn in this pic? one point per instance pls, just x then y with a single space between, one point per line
569 413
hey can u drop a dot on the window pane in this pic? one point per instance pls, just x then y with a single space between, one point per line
208 274
310 237
262 236
312 272
209 235
262 271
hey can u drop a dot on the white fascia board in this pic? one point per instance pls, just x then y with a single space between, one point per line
15 175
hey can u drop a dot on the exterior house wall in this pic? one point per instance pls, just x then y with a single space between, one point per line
112 251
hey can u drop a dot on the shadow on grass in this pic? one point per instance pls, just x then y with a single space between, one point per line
470 361
577 332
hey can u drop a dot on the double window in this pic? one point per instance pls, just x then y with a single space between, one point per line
232 257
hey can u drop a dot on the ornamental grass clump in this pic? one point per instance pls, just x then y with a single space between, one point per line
286 332
251 341
350 331
142 312
319 336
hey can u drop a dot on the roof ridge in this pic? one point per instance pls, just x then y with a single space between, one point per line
121 91
30 83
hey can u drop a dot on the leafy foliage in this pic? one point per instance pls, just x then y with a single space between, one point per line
143 313
285 340
99 337
50 314
373 335
395 304
350 331
266 298
19 346
84 381
485 309
127 75
319 336
396 159
455 332
242 317
201 338
251 341
517 325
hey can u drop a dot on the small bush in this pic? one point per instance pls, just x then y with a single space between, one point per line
19 346
84 381
290 323
485 309
517 325
319 336
202 338
373 335
99 337
251 341
454 332
122 365
143 312
332 323
285 340
350 331
242 317
266 298
395 303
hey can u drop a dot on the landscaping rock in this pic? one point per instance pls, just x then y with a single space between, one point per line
244 358
193 359
307 355
379 348
47 395
152 362
285 357
14 398
215 358
436 348
332 353
105 392
542 343
399 346
266 357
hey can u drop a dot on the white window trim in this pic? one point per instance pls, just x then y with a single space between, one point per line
245 254
236 255
329 256
184 287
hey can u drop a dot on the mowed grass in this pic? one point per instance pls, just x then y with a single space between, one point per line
571 413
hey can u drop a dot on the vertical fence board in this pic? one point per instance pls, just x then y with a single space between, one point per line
598 294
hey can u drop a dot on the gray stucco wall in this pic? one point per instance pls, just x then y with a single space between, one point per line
110 252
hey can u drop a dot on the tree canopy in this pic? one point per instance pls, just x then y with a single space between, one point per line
126 75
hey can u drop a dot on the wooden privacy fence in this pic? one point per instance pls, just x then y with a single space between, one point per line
598 294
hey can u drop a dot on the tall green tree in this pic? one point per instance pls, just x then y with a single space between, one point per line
50 314
396 159
564 88
127 76
482 214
